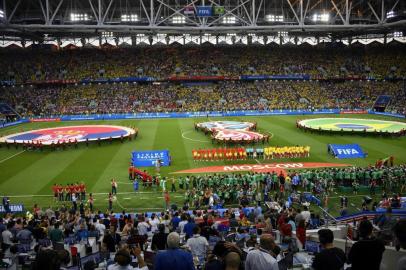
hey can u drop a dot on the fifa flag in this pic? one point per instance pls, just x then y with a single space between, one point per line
346 151
219 10
188 10
204 11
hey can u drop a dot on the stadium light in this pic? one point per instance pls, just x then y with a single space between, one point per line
77 17
322 17
397 34
274 18
229 20
129 18
178 20
283 34
390 14
1 14
107 34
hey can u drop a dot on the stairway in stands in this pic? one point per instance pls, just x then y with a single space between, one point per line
7 111
381 103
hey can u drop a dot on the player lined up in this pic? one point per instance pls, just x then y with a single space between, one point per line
219 154
286 152
244 153
69 192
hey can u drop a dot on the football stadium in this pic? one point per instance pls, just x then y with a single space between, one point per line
203 134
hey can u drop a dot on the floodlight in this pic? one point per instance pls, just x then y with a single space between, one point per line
178 19
229 20
274 18
129 18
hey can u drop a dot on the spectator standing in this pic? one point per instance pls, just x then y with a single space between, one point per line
330 257
143 226
367 252
175 221
24 235
136 239
173 257
159 239
400 234
188 228
261 259
7 237
56 234
198 245
123 259
301 232
305 214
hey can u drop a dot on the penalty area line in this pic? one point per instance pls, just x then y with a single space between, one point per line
3 160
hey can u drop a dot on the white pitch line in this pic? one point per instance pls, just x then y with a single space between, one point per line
350 196
99 193
193 140
119 204
1 161
124 183
257 161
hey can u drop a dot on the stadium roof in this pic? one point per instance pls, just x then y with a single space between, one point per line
166 20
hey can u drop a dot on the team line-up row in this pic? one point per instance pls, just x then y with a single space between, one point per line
243 153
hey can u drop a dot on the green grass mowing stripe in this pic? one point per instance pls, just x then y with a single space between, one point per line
18 164
39 174
188 145
117 168
118 164
90 165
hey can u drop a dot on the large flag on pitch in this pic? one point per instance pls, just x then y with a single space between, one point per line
346 150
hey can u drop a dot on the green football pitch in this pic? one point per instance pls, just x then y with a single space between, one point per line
27 176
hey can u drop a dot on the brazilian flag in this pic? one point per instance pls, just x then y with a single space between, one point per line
219 10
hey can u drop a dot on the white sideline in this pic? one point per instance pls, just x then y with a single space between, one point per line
3 160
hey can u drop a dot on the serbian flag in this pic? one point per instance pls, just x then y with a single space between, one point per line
189 10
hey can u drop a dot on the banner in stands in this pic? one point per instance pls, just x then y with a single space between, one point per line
194 114
202 78
118 80
150 158
204 11
346 151
14 208
274 77
45 119
354 112
9 124
388 114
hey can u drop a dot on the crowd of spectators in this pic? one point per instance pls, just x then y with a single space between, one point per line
225 96
321 61
267 229
182 239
